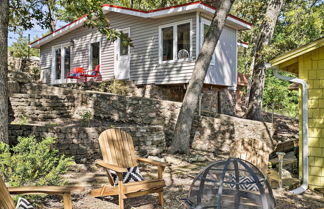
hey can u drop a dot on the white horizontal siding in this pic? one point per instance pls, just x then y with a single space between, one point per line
224 72
82 38
144 63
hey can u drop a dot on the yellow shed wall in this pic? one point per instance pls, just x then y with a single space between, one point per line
311 69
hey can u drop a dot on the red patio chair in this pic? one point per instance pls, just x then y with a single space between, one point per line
76 73
95 74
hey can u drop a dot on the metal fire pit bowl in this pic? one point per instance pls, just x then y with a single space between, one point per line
232 184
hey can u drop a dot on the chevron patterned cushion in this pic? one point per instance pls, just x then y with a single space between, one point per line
246 183
133 174
23 204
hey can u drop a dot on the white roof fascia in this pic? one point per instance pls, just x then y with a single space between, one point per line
229 18
244 45
107 9
59 33
244 25
172 11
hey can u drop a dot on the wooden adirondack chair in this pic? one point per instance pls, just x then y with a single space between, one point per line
118 153
6 201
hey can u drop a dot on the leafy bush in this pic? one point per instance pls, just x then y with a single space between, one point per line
20 48
115 87
118 87
33 163
86 116
23 120
276 95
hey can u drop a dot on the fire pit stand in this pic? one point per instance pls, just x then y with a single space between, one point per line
232 184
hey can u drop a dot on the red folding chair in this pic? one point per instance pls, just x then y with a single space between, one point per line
95 74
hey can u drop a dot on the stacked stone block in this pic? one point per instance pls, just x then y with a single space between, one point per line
214 134
41 107
82 142
219 134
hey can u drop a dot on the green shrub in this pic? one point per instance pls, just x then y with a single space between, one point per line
20 48
115 87
118 87
23 120
33 163
86 116
277 96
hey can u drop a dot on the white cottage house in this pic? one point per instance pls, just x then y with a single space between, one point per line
166 43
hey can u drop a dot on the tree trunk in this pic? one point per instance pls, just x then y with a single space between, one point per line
4 21
181 141
163 3
254 110
51 16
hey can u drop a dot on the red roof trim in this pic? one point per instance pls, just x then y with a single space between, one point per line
242 42
59 29
241 20
172 7
120 7
154 10
142 11
237 18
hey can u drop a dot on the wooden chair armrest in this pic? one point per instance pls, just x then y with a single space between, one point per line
111 167
152 162
55 190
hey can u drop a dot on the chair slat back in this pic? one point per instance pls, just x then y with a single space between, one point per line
117 148
6 201
97 69
78 70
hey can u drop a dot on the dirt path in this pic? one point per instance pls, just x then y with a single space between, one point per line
178 176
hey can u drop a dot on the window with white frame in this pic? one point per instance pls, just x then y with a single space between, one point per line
94 55
175 41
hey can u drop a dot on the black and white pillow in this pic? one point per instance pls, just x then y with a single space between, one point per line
132 175
246 183
23 204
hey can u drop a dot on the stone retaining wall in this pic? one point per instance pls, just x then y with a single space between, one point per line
33 107
82 142
215 99
208 133
217 134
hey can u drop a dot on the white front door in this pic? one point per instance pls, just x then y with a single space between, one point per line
122 58
61 63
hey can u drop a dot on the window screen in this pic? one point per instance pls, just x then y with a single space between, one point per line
183 40
167 34
67 60
124 45
95 54
58 64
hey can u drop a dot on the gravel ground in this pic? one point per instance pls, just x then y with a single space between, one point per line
178 176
